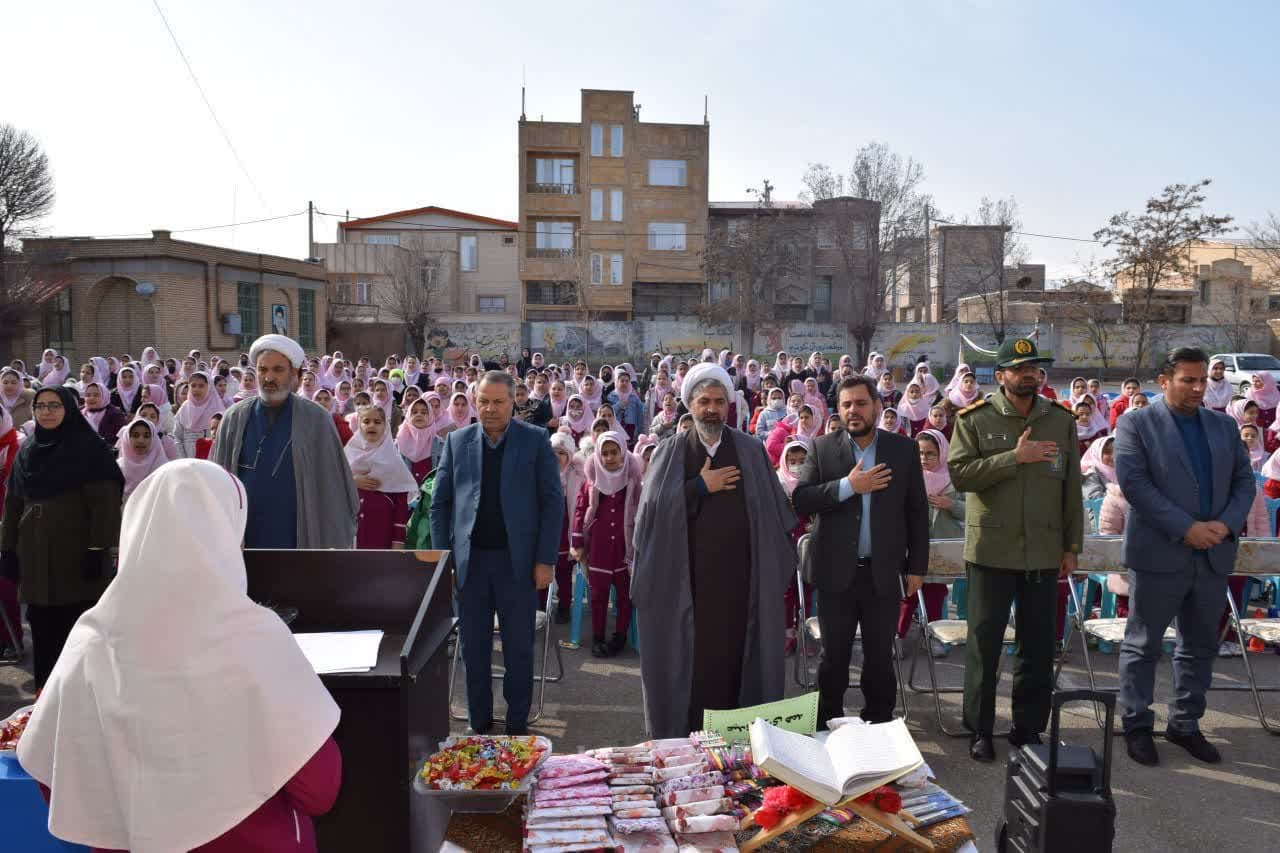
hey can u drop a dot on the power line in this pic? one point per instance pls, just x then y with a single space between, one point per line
226 137
197 228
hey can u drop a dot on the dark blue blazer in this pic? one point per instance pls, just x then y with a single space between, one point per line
532 501
1157 479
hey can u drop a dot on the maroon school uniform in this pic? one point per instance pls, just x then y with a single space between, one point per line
606 557
917 427
420 469
789 597
382 518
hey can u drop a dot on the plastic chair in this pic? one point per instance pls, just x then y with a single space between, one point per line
543 622
1262 480
580 597
1273 507
1093 512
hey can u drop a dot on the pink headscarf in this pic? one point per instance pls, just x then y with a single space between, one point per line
1236 409
1097 421
818 423
381 462
926 380
1257 450
785 477
415 444
194 416
557 406
7 401
133 465
1092 460
957 395
961 370
593 400
901 428
1271 468
582 423
918 410
390 401
157 394
606 481
94 416
780 367
814 398
1218 393
754 375
466 419
937 481
6 426
1268 397
127 395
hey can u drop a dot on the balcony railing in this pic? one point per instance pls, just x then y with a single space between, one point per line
550 254
553 189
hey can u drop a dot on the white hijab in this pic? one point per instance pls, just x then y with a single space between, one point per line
178 706
381 461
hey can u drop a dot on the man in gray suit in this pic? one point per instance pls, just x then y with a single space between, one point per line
1187 478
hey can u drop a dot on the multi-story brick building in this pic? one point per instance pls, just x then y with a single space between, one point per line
119 296
461 266
969 260
613 212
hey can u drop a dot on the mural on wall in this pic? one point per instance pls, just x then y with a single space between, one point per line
801 339
683 338
459 340
577 340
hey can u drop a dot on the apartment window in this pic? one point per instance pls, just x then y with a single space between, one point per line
615 205
554 235
675 300
615 140
552 174
668 173
597 140
363 291
822 299
382 239
718 291
859 235
615 269
491 304
469 252
597 205
249 306
57 322
551 293
790 312
508 241
667 236
597 268
307 319
1204 291
825 239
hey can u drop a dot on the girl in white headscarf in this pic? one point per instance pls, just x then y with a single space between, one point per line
1218 392
181 715
382 479
875 366
140 453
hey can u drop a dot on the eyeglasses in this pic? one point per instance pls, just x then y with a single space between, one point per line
47 407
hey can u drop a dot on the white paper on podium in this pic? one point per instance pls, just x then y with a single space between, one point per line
341 651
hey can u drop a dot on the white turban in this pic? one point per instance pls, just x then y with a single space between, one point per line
287 347
707 370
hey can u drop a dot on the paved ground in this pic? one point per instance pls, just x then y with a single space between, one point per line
1181 805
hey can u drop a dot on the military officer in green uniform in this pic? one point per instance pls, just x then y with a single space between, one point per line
1017 456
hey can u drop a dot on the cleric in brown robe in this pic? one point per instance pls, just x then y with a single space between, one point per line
713 558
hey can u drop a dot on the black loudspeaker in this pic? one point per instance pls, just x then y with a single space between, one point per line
1057 797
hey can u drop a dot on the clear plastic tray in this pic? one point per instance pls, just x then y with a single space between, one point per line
481 801
23 710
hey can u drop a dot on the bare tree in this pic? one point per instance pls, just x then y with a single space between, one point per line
1239 309
417 279
1095 312
1150 247
26 195
750 259
977 260
881 175
1265 250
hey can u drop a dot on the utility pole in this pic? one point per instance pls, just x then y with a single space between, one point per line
928 271
311 230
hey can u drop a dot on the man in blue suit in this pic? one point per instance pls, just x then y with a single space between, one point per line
498 506
1187 478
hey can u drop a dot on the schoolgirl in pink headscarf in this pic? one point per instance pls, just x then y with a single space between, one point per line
126 394
58 375
962 370
383 398
891 421
577 418
781 367
194 414
1092 461
813 397
914 412
875 366
924 375
310 385
559 399
965 391
416 439
1252 438
137 464
1218 392
590 392
1262 391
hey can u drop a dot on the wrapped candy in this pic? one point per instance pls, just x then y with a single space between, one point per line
706 807
569 765
630 826
542 795
665 774
697 780
571 781
692 795
704 823
707 842
569 811
593 822
648 811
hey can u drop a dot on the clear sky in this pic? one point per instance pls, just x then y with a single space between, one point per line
1079 109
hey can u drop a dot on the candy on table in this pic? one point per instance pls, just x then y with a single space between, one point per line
592 822
631 789
631 779
647 811
481 762
723 805
666 743
704 823
666 774
571 781
634 798
697 780
569 811
630 826
567 836
541 794
569 765
692 795
706 842
672 754
706 740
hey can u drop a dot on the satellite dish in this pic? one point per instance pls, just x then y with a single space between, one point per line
145 288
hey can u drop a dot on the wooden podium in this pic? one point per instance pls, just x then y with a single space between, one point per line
394 715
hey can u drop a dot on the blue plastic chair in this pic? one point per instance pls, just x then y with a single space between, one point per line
1093 512
580 598
1257 475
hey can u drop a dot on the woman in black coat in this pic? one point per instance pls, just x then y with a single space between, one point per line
61 520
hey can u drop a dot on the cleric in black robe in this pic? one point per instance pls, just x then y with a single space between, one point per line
713 557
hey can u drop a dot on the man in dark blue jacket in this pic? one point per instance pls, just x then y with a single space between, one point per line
498 506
